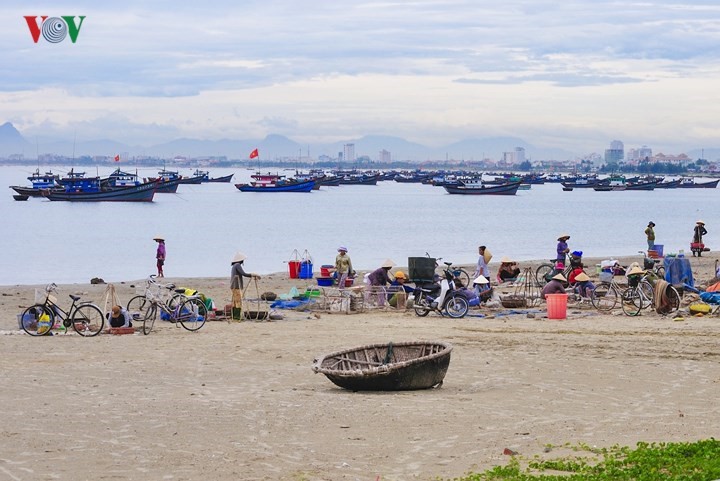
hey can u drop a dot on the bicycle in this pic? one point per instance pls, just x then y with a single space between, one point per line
641 296
190 314
547 270
140 303
458 272
85 317
606 295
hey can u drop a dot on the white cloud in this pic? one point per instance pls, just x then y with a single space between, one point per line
425 70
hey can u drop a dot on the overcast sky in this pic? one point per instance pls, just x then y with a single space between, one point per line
573 74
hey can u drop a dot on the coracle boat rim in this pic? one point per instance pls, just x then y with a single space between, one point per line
384 368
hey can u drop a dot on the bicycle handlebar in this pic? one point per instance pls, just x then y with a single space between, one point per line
51 287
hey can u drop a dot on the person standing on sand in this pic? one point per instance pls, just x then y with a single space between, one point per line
236 282
700 231
482 268
650 233
160 255
343 266
562 248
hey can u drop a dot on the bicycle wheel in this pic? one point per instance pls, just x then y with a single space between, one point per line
149 319
421 305
37 320
648 294
631 301
673 298
191 314
463 276
138 307
176 300
604 297
542 274
88 320
456 307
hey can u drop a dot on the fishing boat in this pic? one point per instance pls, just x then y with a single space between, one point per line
387 367
224 179
582 183
689 183
168 181
89 190
120 179
275 183
502 189
358 178
668 184
203 174
20 197
40 182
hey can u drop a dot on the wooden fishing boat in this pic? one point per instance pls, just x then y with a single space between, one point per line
689 183
138 193
40 183
224 178
20 197
503 189
387 367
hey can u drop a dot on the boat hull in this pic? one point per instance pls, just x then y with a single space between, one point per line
31 191
224 178
292 187
139 193
504 189
699 185
387 367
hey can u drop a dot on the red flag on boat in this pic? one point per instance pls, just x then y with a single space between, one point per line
254 154
117 158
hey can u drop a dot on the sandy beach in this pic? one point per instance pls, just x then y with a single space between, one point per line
238 400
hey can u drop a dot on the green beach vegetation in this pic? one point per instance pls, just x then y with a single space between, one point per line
696 461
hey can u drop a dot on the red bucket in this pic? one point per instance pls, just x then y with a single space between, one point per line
294 268
326 271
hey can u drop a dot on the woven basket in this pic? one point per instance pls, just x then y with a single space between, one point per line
512 302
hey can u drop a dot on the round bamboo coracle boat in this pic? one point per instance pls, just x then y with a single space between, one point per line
387 367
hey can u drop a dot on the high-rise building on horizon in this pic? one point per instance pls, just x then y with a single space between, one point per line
385 156
615 153
515 157
349 152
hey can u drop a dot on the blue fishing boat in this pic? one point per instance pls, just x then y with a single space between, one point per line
89 190
168 181
510 188
40 182
275 183
119 179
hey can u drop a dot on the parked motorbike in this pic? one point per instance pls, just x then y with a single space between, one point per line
440 298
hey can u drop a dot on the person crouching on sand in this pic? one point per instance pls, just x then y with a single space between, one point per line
555 286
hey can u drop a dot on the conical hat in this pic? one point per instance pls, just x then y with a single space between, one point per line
559 277
158 238
239 257
564 236
700 222
635 270
481 279
506 260
388 263
582 277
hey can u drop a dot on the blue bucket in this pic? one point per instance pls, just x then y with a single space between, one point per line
306 270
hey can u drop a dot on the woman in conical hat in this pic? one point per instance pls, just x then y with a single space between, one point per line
237 272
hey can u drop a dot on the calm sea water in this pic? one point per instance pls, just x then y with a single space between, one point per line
206 224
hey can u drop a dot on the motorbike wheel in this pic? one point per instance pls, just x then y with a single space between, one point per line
421 305
456 307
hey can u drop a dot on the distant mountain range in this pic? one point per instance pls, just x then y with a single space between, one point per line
277 147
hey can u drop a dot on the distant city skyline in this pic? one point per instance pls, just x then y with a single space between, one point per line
570 76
